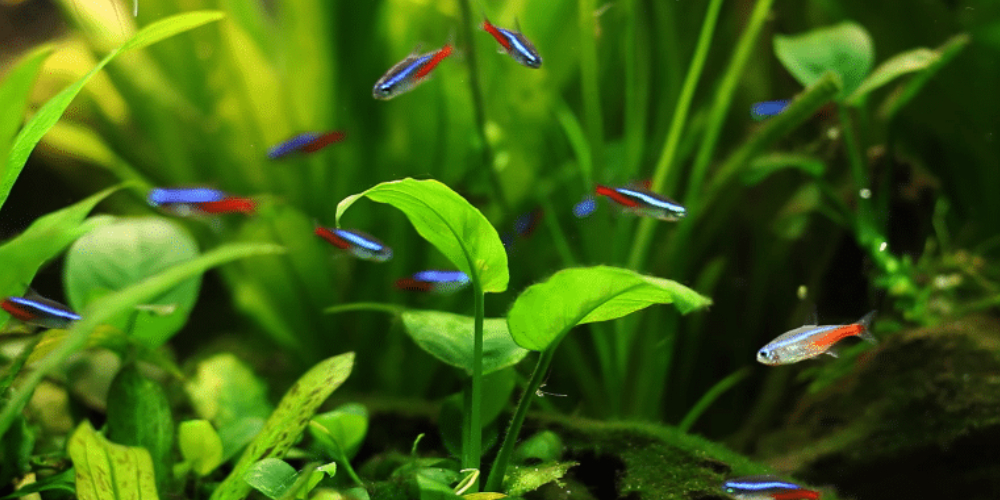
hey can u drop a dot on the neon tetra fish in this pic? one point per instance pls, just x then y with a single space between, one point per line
644 202
358 244
36 310
767 488
515 44
810 341
305 143
187 201
434 281
762 110
408 73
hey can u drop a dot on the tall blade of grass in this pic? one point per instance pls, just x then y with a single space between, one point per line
50 113
15 91
644 236
589 82
638 67
111 305
710 396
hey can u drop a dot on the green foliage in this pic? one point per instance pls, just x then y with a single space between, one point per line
139 415
125 252
521 480
200 446
546 446
107 471
845 49
271 476
341 431
14 92
447 337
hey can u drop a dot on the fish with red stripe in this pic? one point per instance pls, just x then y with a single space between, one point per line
434 281
643 202
514 44
188 201
356 243
408 73
309 142
36 310
809 341
767 488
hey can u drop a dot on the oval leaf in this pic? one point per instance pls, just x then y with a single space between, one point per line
845 49
118 255
449 338
139 415
449 222
545 312
108 471
341 431
272 476
200 446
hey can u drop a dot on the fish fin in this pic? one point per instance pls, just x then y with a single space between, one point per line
517 25
866 324
832 352
30 293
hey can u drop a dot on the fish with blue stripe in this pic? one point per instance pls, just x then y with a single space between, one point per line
434 281
356 243
189 201
514 44
408 73
309 142
36 310
762 110
767 488
643 202
809 341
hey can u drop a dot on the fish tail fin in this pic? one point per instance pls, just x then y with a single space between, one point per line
866 325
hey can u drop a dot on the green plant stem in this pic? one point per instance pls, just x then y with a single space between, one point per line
479 109
723 99
365 306
589 82
644 236
710 396
472 449
495 480
864 225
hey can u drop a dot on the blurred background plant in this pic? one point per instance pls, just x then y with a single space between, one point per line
859 196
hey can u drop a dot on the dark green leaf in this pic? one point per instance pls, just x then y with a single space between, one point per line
118 255
545 312
909 90
430 489
845 49
139 415
15 91
341 431
108 471
764 166
449 338
289 419
447 221
271 476
15 450
200 446
520 480
546 446
63 481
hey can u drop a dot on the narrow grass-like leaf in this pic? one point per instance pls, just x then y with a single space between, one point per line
447 221
545 312
845 48
51 111
271 476
114 304
139 415
108 471
287 422
898 65
200 446
710 396
764 166
448 337
15 90
900 98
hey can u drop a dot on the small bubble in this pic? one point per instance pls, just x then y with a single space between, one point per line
865 193
802 292
833 133
883 246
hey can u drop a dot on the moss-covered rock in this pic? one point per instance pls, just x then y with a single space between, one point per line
918 417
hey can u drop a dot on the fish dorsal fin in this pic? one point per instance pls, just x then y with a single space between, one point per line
30 293
517 24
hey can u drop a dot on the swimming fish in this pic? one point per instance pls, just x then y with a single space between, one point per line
526 223
309 142
187 201
358 244
408 73
810 341
762 110
767 488
515 44
644 202
585 208
36 310
434 281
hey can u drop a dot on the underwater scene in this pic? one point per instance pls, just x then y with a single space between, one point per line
499 249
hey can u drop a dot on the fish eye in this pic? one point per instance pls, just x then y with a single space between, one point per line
763 354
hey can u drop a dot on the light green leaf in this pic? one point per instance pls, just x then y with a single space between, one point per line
898 65
545 312
764 166
271 476
484 496
447 221
449 338
520 480
42 241
114 304
429 488
909 89
15 91
51 111
139 415
845 48
546 446
108 471
342 430
288 421
200 446
120 254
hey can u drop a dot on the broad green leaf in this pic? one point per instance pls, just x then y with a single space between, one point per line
447 221
51 111
907 62
15 89
764 166
909 89
114 304
108 471
120 254
286 424
314 477
342 430
226 392
200 446
546 446
271 476
449 338
139 415
42 241
845 48
428 488
520 480
545 312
